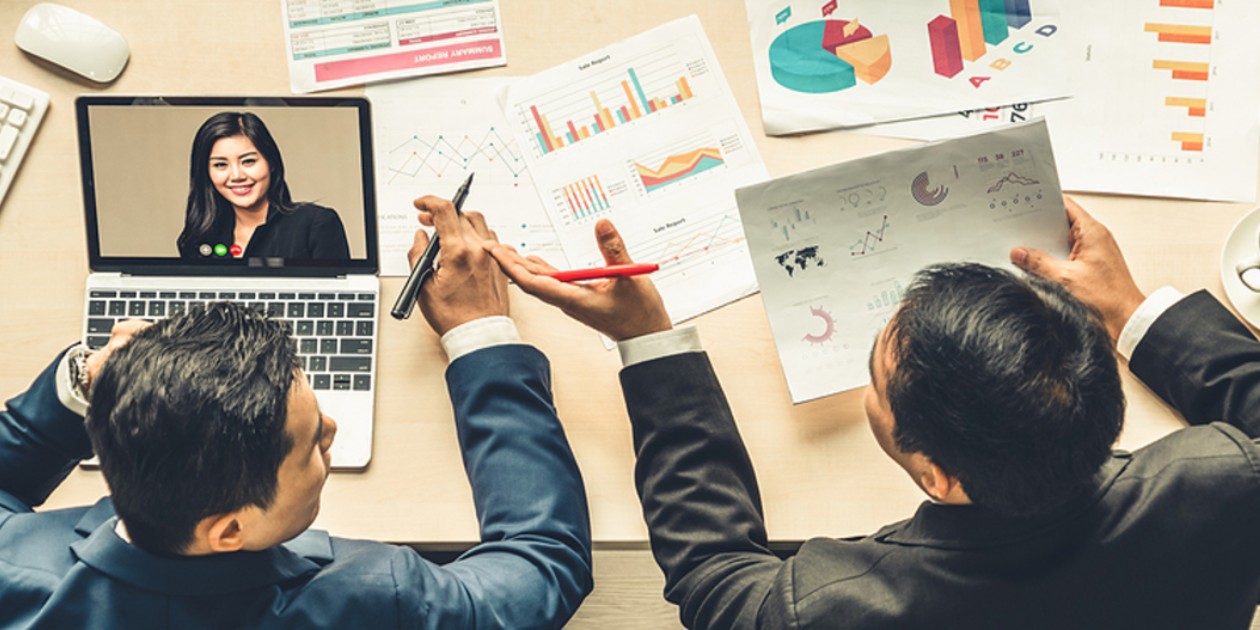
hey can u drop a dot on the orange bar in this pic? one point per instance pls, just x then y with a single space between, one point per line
583 133
970 29
609 121
634 104
684 90
1198 111
1189 4
1190 76
1175 38
1191 146
1192 66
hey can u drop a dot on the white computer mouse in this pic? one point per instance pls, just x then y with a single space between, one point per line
77 42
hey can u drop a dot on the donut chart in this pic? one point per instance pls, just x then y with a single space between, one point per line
828 56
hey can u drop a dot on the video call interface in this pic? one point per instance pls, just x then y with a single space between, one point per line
228 185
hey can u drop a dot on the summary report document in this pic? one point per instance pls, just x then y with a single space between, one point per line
835 248
645 132
335 43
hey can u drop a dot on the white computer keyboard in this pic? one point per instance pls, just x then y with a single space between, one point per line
22 108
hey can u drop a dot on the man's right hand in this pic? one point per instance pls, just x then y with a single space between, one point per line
622 308
1095 271
466 283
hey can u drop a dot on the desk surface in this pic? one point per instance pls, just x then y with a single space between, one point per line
821 473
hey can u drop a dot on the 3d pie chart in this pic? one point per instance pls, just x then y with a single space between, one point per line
828 56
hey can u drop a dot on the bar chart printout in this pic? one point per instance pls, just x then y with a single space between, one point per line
636 105
1166 102
645 133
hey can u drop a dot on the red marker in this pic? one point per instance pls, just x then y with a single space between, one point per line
612 271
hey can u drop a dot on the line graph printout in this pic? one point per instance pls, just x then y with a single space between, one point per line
835 248
646 133
428 136
824 65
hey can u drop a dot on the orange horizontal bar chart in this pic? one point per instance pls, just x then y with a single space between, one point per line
1185 70
1180 33
1194 106
1189 141
1189 4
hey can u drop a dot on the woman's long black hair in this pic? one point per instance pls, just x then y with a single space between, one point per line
207 209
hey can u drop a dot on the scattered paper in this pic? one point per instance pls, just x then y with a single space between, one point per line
645 132
835 248
335 43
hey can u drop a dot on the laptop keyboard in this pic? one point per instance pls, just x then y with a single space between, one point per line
334 331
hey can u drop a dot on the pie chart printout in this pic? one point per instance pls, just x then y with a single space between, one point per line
829 56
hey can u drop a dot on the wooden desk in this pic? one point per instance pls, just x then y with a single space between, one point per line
821 473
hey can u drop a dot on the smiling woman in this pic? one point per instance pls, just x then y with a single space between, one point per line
239 204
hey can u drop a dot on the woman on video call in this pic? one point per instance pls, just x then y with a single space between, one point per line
238 199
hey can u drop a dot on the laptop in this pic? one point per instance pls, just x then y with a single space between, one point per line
183 209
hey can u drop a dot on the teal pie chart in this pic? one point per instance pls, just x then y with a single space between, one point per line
799 62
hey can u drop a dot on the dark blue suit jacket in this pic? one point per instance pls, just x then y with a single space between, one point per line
68 569
1168 538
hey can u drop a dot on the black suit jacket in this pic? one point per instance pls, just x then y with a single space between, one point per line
1170 537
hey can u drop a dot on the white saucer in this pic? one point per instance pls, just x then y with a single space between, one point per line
1243 242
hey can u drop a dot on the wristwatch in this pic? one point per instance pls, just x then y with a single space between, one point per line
76 360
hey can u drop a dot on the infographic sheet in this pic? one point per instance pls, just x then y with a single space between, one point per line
645 132
835 248
428 136
335 43
828 64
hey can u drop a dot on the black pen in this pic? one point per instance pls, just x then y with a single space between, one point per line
424 264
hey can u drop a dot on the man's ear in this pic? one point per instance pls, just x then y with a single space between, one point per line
940 485
221 533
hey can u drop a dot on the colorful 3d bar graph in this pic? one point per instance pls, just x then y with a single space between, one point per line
970 27
638 105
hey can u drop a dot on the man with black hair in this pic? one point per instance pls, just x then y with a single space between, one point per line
215 451
1000 396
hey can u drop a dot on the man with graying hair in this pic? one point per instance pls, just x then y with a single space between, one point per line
216 452
1001 397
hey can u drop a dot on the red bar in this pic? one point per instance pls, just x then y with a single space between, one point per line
946 51
652 106
1190 4
1191 146
599 122
542 129
573 130
1198 111
1190 76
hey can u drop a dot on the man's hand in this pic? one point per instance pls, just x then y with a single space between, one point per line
621 308
466 283
118 337
1095 271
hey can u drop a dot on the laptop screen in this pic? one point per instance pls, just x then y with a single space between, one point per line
228 186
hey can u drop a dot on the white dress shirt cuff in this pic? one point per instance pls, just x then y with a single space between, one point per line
481 333
657 345
66 391
1152 307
